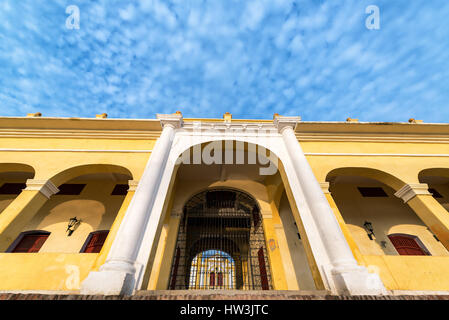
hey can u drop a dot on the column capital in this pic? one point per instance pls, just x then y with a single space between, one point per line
325 187
46 187
282 122
173 120
409 191
132 185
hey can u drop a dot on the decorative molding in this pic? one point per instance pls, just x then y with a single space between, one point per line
174 120
46 187
325 187
409 191
73 150
282 122
228 128
375 154
84 134
337 137
132 185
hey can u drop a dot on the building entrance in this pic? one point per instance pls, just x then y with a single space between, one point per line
221 244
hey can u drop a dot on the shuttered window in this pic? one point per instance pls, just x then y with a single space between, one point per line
95 241
30 241
408 245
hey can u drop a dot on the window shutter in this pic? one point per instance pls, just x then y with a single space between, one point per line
263 269
96 241
31 242
407 245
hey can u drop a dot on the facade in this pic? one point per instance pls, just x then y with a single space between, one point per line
114 206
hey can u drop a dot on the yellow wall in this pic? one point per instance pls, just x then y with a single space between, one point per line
420 273
44 271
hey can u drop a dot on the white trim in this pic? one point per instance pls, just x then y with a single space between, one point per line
375 154
72 150
46 187
325 187
132 185
409 191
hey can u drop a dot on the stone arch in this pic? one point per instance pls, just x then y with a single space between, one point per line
262 202
387 213
435 172
386 178
95 205
179 149
16 167
76 171
13 176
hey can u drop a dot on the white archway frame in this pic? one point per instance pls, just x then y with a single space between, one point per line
273 142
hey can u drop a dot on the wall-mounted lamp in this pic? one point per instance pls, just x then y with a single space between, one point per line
369 229
73 224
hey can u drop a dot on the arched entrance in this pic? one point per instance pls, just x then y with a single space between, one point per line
221 244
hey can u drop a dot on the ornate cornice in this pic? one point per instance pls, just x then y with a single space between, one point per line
409 191
46 187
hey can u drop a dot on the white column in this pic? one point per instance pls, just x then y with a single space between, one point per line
346 274
116 276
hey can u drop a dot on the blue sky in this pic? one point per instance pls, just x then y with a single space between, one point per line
316 59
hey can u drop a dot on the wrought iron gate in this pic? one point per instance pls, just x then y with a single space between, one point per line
221 244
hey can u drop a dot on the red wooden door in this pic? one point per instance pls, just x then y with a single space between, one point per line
407 245
96 241
220 279
212 279
31 242
263 269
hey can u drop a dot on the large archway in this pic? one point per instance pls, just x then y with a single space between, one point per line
221 243
373 214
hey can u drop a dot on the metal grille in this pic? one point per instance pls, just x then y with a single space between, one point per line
221 244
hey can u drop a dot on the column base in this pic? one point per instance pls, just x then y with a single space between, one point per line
356 280
108 282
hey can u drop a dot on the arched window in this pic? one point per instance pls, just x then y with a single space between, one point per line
94 241
29 241
408 245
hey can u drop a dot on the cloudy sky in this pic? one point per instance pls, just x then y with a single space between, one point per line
316 59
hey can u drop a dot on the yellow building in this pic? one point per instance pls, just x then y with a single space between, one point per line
113 206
